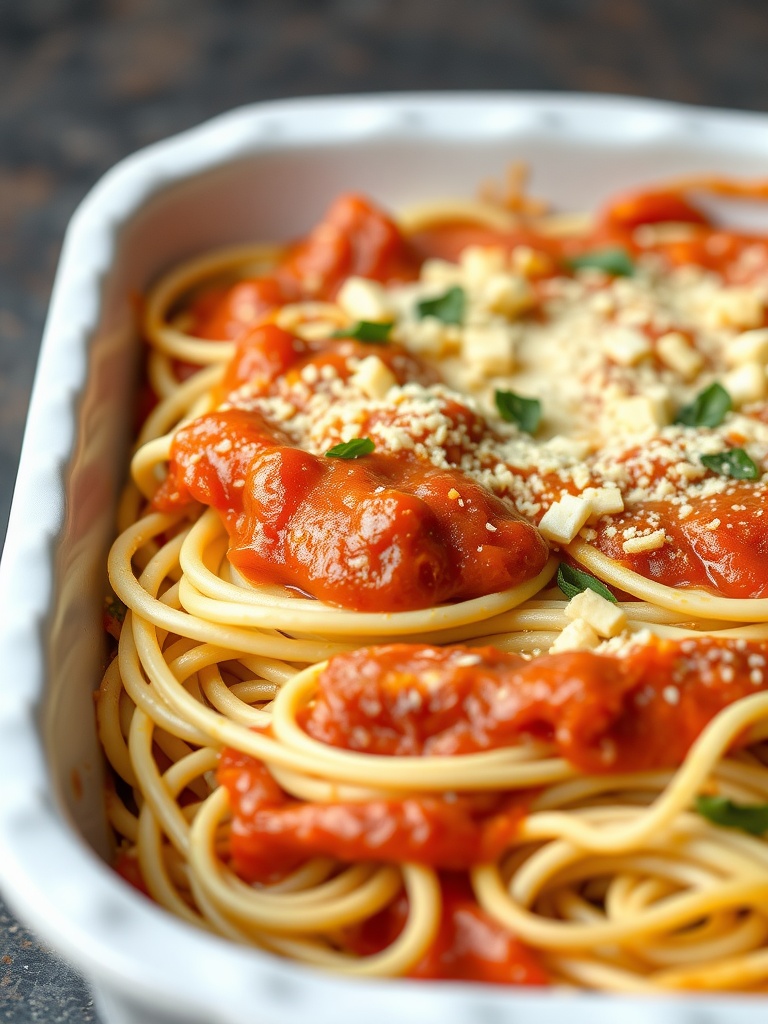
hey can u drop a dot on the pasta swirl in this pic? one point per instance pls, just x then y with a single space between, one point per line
446 593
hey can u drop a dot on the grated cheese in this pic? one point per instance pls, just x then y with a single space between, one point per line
605 618
645 542
564 518
612 361
577 636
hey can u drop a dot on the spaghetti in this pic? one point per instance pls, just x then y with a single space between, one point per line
447 597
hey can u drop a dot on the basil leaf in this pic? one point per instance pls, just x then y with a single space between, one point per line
351 449
734 463
372 331
708 409
525 412
448 307
610 261
752 818
574 581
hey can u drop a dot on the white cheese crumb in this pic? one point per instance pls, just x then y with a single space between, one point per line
746 383
577 636
436 271
647 542
563 519
467 660
488 350
606 618
748 347
431 336
603 501
735 307
626 346
362 299
676 352
480 262
373 377
639 414
507 294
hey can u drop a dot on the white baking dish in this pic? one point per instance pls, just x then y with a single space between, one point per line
263 172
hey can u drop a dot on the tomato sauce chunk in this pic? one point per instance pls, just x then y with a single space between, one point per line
633 209
268 358
222 314
721 545
272 833
640 712
379 533
355 238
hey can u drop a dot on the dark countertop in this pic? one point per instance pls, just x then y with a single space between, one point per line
85 82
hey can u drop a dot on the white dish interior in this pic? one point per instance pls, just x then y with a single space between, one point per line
260 173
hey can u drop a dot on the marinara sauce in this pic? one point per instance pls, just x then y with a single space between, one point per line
603 713
354 238
469 946
638 712
379 533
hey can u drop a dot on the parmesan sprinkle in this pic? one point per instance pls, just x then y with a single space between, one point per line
611 360
648 542
671 694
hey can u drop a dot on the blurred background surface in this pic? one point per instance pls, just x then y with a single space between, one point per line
85 82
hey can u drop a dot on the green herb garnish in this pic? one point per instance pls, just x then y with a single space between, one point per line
752 818
114 606
574 581
351 449
734 463
611 261
708 409
448 307
525 412
372 331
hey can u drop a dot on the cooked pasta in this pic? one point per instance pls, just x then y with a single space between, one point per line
446 590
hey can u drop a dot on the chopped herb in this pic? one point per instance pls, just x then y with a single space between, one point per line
114 606
752 818
351 449
574 581
734 463
113 616
610 261
374 332
525 412
448 307
708 409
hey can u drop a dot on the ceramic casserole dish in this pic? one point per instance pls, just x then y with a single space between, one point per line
261 172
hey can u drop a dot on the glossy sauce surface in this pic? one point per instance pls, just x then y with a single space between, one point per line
705 243
379 533
730 558
354 238
330 530
603 713
272 833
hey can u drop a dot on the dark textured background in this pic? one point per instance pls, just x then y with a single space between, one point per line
83 83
